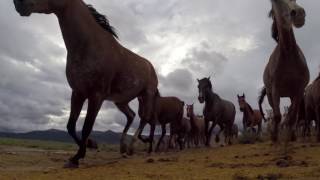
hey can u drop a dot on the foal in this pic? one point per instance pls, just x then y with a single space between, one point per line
251 117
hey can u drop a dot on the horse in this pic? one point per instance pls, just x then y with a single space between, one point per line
167 110
216 110
312 106
251 117
98 68
197 126
287 73
186 135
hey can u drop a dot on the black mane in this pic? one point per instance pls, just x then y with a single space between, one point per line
102 20
274 28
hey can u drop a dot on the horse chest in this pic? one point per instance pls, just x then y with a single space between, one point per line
84 76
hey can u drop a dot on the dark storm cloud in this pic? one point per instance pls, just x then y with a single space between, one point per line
179 80
184 40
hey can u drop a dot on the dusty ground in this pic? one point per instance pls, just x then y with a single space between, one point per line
232 162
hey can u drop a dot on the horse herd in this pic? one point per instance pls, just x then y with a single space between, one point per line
99 68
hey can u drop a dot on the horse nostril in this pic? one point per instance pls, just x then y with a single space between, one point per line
293 13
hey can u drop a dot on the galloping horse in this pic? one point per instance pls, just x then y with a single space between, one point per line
98 68
286 74
197 126
216 110
251 117
312 106
166 110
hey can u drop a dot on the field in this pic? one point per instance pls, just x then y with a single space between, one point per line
25 159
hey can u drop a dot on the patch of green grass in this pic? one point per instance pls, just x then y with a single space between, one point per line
46 145
50 145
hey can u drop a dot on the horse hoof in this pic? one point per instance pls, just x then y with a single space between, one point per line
71 165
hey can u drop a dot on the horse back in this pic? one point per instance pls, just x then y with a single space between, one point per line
169 109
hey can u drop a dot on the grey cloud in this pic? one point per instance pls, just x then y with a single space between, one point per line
205 60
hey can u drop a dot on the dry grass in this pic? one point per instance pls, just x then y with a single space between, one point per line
253 161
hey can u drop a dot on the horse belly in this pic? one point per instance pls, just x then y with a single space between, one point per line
125 89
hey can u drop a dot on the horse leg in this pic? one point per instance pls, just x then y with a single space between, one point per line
210 133
276 114
152 129
181 140
260 128
229 134
77 101
206 129
218 135
293 117
124 108
163 133
94 105
138 132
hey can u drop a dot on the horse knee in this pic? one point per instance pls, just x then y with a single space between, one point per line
71 127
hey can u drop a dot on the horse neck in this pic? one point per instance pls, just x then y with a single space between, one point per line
247 112
287 40
192 118
211 98
78 26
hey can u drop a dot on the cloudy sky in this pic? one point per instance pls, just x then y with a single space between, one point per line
227 40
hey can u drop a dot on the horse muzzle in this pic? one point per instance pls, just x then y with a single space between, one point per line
201 99
298 17
23 8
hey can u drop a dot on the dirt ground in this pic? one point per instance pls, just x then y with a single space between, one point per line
257 161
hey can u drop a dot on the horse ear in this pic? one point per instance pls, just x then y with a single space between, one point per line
244 95
238 95
209 77
198 80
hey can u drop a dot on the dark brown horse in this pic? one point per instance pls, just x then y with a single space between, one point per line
251 117
216 110
98 67
286 74
197 127
167 110
312 106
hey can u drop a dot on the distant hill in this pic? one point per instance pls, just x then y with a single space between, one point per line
108 137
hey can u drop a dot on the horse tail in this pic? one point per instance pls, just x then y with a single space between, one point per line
260 101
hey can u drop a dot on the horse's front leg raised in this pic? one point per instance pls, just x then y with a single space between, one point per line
124 108
146 105
94 105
